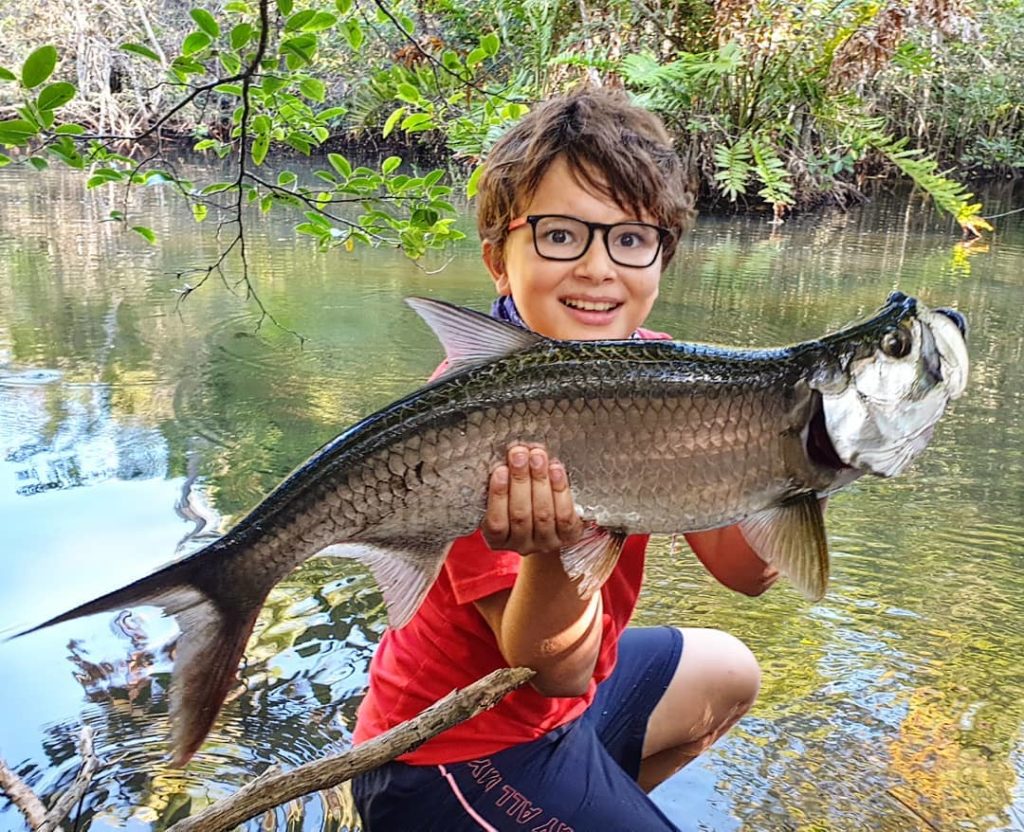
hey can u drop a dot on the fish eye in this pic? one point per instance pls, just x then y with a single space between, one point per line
896 343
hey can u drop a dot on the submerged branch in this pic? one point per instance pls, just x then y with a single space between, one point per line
273 789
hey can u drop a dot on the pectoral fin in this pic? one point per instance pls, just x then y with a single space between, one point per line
792 537
593 557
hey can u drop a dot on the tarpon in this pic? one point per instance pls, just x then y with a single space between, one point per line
656 436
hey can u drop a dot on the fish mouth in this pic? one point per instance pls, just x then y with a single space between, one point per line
820 449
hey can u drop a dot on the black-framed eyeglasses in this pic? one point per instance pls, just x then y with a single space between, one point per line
558 237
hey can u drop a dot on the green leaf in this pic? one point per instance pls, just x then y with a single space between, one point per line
490 43
313 88
55 95
146 233
331 113
195 42
417 122
139 49
17 131
298 20
390 164
38 66
205 144
241 35
286 178
408 93
299 50
7 75
231 63
353 33
260 148
343 6
389 125
39 163
285 6
228 89
216 188
474 181
199 211
4 160
475 57
206 21
273 83
70 130
261 124
320 21
340 164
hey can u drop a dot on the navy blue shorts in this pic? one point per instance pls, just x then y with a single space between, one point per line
581 777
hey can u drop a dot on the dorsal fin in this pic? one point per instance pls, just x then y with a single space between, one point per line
470 338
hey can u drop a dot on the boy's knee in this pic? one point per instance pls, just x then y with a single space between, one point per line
733 671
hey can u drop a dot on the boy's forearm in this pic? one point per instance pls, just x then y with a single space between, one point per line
548 627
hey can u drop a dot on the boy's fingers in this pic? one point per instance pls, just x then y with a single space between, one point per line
520 499
543 504
568 525
495 524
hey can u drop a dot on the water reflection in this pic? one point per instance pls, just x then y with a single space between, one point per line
132 429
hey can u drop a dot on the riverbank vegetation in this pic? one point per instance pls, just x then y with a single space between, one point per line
775 106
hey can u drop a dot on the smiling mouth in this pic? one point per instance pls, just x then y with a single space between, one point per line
590 305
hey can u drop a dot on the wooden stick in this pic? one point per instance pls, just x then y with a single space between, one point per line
77 789
22 796
32 807
274 788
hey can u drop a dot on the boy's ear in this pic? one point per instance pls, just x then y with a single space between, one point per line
495 261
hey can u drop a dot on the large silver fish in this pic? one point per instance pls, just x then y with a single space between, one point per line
656 436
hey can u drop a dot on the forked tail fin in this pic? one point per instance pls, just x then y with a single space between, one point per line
213 636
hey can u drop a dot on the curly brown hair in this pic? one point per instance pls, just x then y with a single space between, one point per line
611 146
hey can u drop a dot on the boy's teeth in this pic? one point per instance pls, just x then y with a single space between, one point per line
589 306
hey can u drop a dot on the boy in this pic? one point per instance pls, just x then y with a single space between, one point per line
580 208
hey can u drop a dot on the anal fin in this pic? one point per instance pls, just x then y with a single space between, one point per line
792 537
404 573
592 558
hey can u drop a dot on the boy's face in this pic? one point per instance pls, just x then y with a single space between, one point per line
550 294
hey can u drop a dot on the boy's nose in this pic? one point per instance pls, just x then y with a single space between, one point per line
595 264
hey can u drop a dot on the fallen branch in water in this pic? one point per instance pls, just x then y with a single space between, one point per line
32 807
274 788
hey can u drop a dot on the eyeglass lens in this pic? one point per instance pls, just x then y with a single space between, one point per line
629 244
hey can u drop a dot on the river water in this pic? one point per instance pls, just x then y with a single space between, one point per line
135 427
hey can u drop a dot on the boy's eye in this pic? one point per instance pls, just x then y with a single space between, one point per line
633 236
560 236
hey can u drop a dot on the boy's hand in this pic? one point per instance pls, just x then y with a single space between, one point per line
529 504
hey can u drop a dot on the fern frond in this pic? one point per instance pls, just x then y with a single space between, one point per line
734 169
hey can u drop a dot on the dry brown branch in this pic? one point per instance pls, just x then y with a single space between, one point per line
23 798
26 801
273 789
74 794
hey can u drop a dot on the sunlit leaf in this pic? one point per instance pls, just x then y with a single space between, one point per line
199 211
17 131
390 164
206 21
340 164
417 122
353 33
343 6
4 160
195 42
241 35
475 57
299 19
146 233
320 21
285 6
474 181
313 88
389 125
260 148
139 49
490 44
38 66
70 130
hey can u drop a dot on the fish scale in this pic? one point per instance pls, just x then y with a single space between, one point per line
656 436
